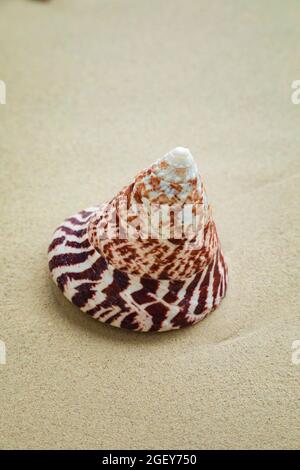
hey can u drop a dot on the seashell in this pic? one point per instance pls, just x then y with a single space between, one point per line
148 260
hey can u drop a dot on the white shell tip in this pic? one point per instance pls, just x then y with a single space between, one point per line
180 157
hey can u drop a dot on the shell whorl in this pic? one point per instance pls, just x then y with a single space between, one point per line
156 202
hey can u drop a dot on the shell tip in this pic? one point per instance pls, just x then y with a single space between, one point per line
180 157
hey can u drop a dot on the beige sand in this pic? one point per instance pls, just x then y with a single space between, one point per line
96 90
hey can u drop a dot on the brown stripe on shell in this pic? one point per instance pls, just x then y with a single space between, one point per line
67 259
55 242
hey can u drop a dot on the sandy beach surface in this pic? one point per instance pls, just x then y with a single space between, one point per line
95 91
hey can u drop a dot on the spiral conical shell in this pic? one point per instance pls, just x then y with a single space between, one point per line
150 259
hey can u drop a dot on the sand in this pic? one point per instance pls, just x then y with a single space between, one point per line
97 90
